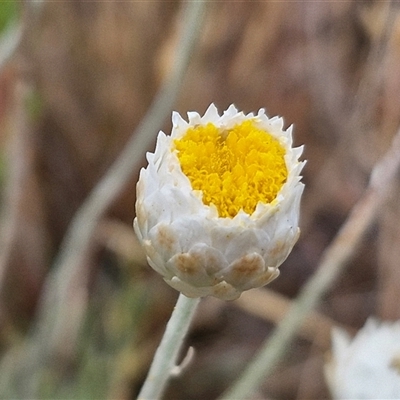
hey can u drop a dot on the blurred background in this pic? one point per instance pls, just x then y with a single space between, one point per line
74 87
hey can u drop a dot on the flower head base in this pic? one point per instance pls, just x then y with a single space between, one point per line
218 205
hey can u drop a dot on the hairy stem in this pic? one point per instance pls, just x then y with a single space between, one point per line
165 358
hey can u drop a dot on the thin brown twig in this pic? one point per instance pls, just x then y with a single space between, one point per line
271 306
119 238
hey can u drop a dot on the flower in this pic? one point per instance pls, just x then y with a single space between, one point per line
367 366
217 207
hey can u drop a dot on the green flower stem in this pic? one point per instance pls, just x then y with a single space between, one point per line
166 355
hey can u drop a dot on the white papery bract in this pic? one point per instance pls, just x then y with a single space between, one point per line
195 250
368 365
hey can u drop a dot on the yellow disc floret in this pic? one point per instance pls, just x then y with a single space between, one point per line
234 168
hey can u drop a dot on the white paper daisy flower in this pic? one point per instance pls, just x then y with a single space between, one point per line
218 205
368 365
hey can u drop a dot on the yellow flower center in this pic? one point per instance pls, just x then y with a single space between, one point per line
235 168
